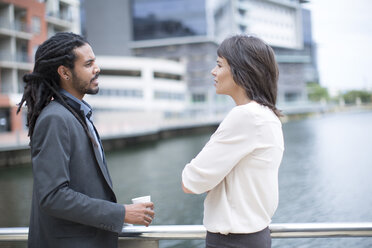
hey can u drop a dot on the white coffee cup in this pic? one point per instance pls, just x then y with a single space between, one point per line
141 199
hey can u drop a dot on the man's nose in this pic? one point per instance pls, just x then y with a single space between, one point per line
97 70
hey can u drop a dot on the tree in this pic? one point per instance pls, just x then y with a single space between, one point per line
316 93
351 96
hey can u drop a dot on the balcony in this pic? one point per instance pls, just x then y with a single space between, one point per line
17 29
20 60
62 20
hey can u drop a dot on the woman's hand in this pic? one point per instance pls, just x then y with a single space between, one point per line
186 190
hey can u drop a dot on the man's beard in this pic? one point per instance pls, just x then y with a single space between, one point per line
91 91
80 86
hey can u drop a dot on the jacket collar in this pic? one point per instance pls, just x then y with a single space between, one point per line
77 104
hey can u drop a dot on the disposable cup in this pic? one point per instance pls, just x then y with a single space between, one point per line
141 199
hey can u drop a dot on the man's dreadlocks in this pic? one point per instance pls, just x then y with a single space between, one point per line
43 84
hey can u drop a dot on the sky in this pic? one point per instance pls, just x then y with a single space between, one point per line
342 30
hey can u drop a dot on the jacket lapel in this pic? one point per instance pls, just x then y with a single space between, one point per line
100 160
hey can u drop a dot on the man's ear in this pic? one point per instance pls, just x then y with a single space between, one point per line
64 72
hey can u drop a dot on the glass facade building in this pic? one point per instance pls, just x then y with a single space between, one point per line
158 19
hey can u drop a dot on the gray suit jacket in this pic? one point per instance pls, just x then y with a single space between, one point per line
73 203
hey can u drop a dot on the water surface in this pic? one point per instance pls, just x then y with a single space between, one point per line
325 176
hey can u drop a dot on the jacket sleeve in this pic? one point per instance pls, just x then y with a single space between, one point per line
51 147
233 140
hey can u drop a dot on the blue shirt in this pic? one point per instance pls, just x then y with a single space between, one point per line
85 107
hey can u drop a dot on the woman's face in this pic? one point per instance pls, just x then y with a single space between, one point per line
224 81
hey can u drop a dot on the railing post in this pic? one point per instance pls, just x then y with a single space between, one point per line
127 243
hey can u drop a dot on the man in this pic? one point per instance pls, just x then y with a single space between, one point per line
73 203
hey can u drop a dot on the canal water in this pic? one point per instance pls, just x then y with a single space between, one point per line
325 176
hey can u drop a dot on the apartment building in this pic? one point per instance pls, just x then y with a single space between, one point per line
62 16
22 29
24 25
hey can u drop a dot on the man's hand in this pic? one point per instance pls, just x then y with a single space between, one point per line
140 213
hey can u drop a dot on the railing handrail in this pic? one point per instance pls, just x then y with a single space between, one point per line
181 232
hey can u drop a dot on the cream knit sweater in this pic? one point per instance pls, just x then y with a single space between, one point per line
238 168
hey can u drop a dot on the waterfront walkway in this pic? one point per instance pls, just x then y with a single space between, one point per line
10 140
14 148
111 127
122 124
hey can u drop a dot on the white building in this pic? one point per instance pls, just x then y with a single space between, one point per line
138 94
278 22
140 84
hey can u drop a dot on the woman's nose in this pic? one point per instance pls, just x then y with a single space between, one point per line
213 71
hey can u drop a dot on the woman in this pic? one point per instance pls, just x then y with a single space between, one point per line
238 167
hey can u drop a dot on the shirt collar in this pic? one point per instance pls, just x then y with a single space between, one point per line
84 106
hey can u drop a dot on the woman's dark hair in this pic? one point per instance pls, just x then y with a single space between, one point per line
253 67
43 84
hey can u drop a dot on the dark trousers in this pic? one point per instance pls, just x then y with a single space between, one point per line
261 239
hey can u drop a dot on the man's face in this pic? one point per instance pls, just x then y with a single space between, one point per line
85 72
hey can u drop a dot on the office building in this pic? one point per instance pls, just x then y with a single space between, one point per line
189 31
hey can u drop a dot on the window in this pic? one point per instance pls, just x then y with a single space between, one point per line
242 28
242 12
169 95
36 25
130 93
164 75
291 96
4 120
128 73
157 19
198 98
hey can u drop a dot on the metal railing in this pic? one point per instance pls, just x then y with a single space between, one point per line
183 232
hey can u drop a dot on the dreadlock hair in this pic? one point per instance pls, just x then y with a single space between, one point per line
43 84
253 67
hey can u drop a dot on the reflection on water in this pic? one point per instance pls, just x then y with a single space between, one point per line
324 177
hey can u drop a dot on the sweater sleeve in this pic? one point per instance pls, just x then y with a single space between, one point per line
233 140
